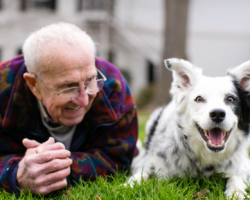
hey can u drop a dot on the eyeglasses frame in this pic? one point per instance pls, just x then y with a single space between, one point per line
58 93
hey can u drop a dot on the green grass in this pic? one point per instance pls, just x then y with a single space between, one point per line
113 188
154 188
143 117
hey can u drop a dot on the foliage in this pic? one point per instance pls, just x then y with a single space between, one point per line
143 116
146 96
126 75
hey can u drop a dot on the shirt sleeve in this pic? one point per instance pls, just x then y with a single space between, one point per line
8 171
12 180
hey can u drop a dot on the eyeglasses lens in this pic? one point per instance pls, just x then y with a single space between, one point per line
92 88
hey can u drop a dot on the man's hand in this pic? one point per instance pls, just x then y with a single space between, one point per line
44 167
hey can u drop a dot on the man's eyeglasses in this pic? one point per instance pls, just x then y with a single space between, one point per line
92 87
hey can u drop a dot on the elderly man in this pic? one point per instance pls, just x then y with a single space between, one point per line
64 113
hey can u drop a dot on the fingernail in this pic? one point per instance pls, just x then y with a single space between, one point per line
68 153
24 139
39 150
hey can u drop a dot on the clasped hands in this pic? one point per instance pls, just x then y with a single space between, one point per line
44 167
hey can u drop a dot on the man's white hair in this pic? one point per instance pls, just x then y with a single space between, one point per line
57 33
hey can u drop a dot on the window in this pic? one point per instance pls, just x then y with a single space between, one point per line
0 55
150 67
19 51
38 4
51 4
22 5
111 56
90 5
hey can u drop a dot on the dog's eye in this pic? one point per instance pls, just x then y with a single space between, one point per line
199 99
230 99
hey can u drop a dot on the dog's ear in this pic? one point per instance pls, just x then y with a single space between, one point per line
184 73
242 75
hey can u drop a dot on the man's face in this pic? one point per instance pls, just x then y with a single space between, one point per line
66 67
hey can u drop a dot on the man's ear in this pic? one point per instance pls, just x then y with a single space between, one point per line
32 84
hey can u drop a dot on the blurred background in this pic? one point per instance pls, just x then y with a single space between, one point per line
137 35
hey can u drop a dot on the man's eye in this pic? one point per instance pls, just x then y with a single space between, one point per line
90 79
70 85
199 99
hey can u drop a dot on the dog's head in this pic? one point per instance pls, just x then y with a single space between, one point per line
213 111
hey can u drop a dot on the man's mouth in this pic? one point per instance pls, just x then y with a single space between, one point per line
215 138
72 109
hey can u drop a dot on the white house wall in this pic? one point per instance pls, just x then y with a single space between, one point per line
219 34
218 30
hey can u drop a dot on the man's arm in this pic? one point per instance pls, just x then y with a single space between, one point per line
44 167
109 149
32 171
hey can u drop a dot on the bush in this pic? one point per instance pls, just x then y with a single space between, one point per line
146 96
126 75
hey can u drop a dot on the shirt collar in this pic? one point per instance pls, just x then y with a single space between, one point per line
43 112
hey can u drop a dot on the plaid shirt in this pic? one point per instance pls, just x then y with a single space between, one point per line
102 143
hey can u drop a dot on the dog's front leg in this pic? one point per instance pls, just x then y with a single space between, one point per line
136 178
236 185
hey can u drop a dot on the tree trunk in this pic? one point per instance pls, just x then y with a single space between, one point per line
175 31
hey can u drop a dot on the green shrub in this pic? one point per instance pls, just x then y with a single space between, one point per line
146 96
126 75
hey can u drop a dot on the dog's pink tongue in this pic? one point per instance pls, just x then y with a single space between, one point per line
216 136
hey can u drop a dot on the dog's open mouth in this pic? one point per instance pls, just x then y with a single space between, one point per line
215 138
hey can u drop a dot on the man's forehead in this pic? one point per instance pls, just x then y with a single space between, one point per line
70 71
65 61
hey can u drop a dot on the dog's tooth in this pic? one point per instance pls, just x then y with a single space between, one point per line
224 133
205 133
222 143
209 142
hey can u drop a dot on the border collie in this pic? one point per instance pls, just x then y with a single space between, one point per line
204 128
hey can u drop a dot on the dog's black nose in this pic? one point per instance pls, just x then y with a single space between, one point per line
217 115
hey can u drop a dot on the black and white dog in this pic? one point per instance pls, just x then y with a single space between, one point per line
204 128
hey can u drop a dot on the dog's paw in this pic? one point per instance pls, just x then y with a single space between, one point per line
135 178
129 183
236 194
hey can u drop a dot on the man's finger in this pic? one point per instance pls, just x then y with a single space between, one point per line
53 187
48 156
53 177
30 143
56 165
48 147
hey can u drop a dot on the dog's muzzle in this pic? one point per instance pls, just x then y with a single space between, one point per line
215 138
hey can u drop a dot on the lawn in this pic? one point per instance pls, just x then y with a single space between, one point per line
143 117
113 188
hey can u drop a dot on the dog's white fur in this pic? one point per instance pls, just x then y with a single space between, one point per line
174 144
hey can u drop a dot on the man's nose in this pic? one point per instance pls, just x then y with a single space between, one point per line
82 99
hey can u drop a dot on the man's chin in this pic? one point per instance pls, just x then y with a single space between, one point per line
71 122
